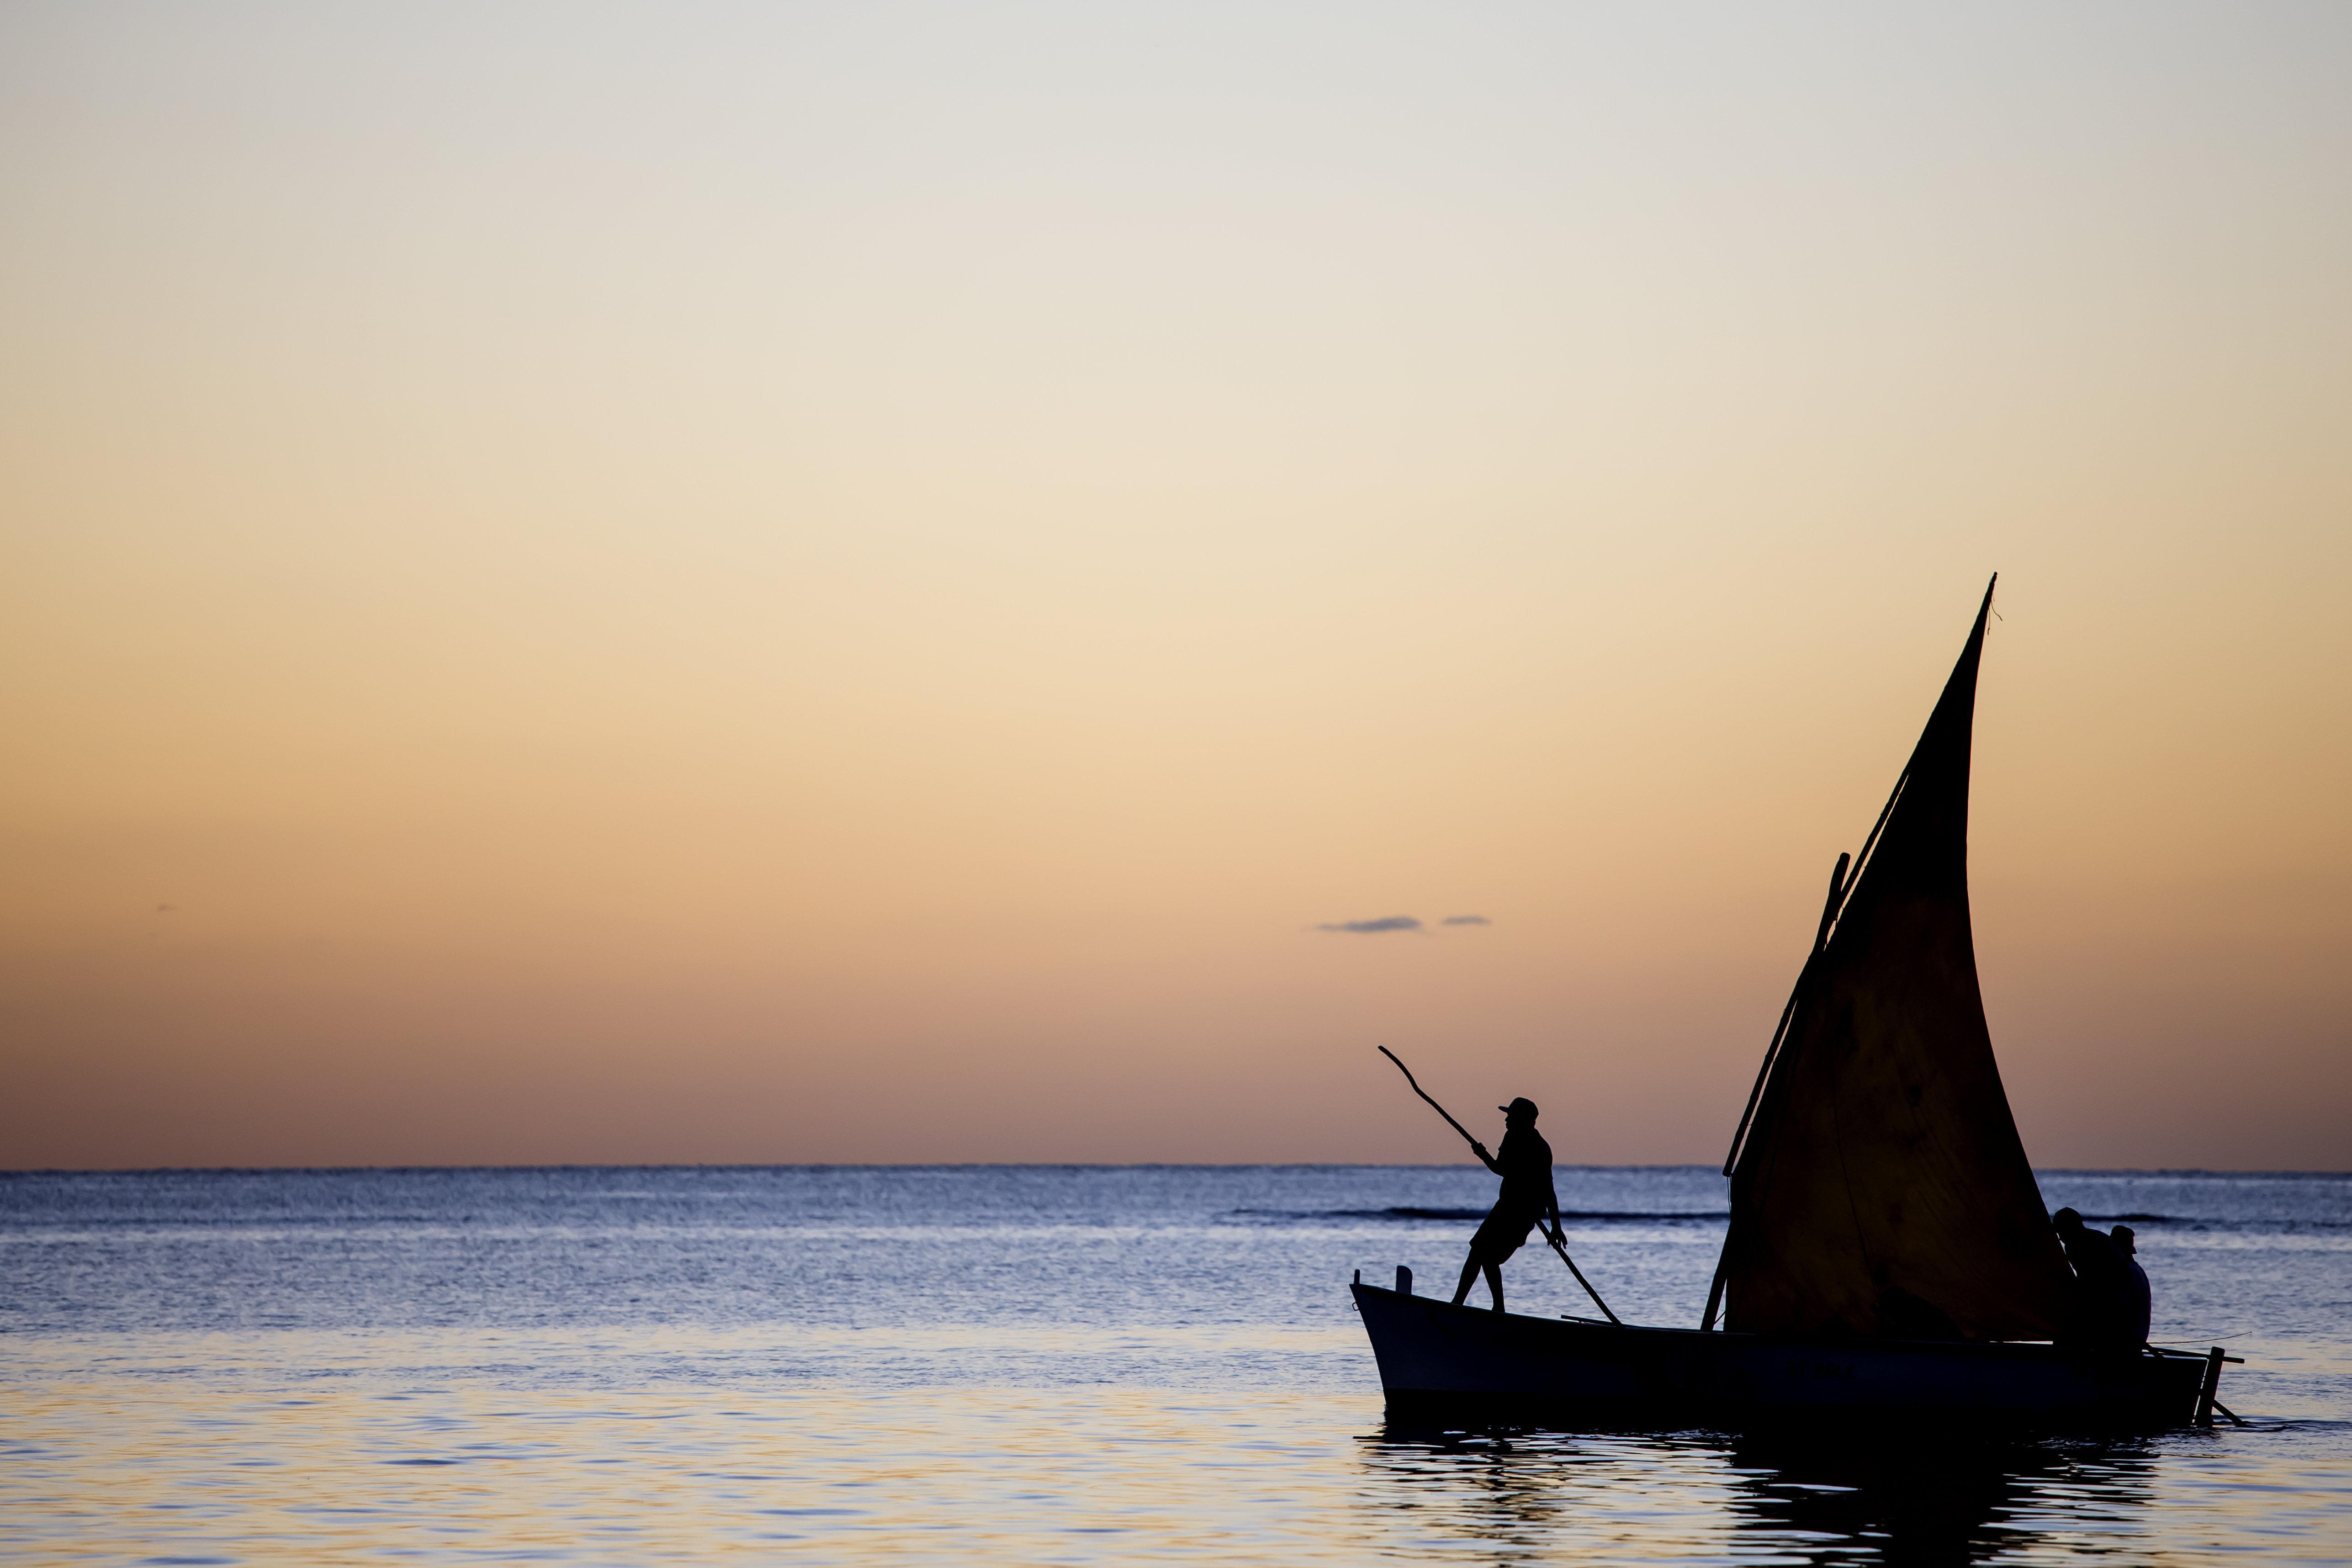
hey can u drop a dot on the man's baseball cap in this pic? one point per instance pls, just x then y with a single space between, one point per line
1521 1104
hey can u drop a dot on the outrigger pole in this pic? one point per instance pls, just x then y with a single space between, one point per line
1556 1245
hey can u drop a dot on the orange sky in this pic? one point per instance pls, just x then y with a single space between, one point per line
600 584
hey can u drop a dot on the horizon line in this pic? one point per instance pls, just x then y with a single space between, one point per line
36 1171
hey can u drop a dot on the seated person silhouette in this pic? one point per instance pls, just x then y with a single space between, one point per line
2100 1312
1525 1165
2136 1295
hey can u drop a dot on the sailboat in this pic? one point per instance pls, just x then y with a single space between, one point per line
1888 1247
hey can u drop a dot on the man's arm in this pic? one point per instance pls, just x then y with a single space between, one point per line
1492 1163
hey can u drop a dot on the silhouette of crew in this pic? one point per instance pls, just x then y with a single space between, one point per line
2102 1310
1525 1165
2136 1295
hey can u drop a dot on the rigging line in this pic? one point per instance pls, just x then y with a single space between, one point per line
1839 881
1732 1234
1842 886
1765 1070
1863 860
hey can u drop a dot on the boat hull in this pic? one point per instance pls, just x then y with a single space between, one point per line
1441 1363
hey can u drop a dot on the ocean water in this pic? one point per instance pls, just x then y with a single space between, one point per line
1027 1365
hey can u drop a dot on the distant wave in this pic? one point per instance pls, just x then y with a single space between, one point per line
2258 1224
1588 1216
1407 1213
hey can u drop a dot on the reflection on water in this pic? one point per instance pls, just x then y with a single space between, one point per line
1899 1499
1891 1497
1929 1502
1013 1366
1542 1497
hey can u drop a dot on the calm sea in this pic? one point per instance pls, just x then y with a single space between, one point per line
1023 1365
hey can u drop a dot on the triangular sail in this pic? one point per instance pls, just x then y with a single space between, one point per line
1882 1189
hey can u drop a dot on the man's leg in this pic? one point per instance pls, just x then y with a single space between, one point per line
1493 1284
1469 1272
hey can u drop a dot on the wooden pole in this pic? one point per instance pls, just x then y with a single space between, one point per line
1580 1279
1715 1286
1840 885
2205 1393
1556 1245
1424 1094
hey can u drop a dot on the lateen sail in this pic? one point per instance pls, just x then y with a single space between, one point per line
1882 1189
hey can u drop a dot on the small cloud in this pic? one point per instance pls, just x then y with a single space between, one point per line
165 909
1365 928
1465 921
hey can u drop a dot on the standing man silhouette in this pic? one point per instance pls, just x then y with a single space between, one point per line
1525 1165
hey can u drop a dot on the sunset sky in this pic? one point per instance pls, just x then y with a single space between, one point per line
765 583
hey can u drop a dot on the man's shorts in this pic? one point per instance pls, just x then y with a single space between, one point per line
1501 1233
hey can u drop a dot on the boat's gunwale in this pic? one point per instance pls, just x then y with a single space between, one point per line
2028 1350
